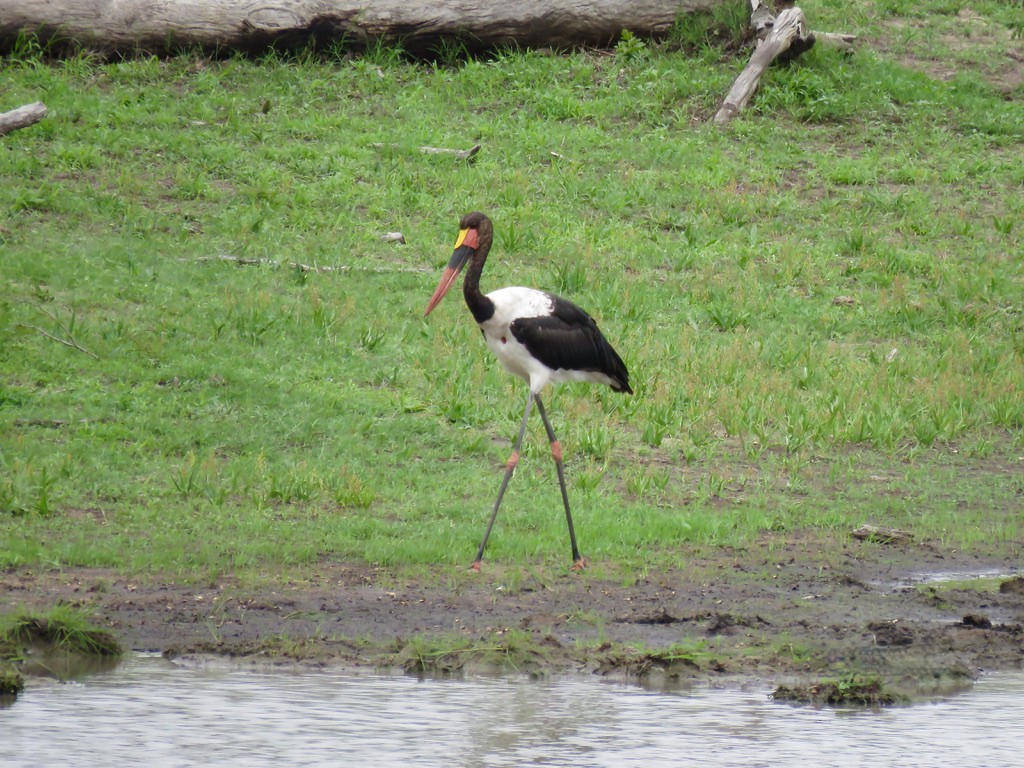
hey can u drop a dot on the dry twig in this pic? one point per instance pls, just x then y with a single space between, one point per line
68 331
245 261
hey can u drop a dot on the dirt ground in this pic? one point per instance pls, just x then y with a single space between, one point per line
921 618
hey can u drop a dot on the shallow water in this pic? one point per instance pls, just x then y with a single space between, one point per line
941 577
152 712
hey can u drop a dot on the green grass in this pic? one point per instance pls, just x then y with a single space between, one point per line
848 692
511 650
827 292
11 682
62 629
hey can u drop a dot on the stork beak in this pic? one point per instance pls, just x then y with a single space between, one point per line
458 260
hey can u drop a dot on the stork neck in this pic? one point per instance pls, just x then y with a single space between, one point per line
481 306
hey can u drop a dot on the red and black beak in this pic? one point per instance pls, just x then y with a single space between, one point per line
465 247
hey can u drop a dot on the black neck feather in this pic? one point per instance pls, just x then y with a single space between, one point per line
481 306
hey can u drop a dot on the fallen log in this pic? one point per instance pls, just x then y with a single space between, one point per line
418 25
21 117
783 37
780 35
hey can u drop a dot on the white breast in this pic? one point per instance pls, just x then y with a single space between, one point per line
509 305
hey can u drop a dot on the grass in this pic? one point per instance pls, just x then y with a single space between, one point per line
62 629
11 682
60 642
851 691
511 650
820 306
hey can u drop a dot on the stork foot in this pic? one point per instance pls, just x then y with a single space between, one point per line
475 567
579 564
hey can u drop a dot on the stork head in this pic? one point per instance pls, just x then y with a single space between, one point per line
466 246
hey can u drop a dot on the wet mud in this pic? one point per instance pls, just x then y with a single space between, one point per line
918 618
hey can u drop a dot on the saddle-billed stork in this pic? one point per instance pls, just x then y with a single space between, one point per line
538 337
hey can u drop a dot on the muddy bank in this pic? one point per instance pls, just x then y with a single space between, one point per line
914 615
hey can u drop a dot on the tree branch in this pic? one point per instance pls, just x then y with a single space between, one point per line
783 37
21 117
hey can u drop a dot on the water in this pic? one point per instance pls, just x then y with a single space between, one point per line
149 711
940 577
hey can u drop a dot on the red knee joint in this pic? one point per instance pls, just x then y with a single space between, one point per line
556 450
513 460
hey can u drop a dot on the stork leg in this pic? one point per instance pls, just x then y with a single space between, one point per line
510 467
578 563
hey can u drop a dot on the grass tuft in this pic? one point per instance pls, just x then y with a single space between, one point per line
506 651
62 629
847 692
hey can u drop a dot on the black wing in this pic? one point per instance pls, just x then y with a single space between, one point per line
569 339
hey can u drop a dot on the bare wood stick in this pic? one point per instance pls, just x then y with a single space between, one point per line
839 39
881 535
245 261
761 19
22 117
51 423
790 26
68 331
66 342
460 154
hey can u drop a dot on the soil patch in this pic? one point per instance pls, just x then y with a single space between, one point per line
965 42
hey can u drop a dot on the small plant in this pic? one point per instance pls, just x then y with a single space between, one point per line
588 478
630 47
640 483
1004 224
510 237
726 314
661 422
186 478
596 440
349 490
371 338
571 277
27 489
711 486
